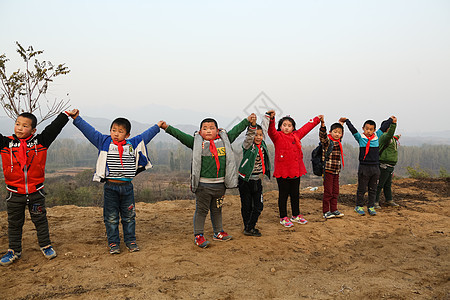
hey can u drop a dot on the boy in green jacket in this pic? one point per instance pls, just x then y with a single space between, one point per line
388 160
213 171
254 165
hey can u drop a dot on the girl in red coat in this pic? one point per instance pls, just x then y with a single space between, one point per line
289 166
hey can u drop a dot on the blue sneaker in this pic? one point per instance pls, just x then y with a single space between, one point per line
372 211
132 247
114 248
10 257
360 210
49 252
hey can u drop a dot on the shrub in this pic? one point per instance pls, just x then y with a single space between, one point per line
418 172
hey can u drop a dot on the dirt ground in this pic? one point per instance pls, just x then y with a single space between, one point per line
402 253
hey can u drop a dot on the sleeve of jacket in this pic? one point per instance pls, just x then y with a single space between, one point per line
273 133
95 137
305 129
385 125
353 130
147 135
3 141
387 136
323 136
184 138
249 137
265 124
237 130
49 134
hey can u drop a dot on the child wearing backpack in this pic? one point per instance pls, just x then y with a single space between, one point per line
254 165
332 167
289 166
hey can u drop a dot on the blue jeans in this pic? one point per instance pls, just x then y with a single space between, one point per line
119 199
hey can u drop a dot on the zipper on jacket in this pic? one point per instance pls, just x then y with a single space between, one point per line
26 179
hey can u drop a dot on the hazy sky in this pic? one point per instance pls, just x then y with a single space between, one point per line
360 59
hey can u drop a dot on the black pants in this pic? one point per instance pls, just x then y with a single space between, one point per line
251 201
15 204
368 176
288 187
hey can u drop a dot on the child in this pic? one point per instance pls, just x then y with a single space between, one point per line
119 161
289 166
332 168
388 160
23 157
254 165
213 171
368 170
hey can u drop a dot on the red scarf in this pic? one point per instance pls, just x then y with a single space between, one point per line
262 157
213 149
340 146
396 138
23 151
368 144
120 148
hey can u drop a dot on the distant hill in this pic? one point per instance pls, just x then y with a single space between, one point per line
103 124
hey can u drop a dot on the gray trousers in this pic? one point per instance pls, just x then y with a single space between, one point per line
206 200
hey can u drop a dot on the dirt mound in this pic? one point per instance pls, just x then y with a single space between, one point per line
399 254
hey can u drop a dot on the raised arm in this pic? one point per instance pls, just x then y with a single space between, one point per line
237 129
52 130
305 129
384 126
249 137
387 136
184 138
147 135
352 128
265 123
323 136
94 136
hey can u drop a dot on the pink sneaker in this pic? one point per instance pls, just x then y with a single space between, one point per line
285 222
299 219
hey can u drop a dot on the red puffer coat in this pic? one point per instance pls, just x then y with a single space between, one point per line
288 151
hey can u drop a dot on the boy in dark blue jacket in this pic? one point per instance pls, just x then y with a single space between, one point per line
119 161
368 170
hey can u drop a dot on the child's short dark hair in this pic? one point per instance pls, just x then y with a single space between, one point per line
337 125
370 122
122 122
258 127
31 117
208 120
286 118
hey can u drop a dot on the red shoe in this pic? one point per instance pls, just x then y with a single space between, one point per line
222 236
200 241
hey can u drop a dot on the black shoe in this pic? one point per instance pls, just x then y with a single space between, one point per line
252 232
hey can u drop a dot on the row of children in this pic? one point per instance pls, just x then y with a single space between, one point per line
213 170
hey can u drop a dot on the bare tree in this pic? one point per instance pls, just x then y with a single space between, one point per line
22 90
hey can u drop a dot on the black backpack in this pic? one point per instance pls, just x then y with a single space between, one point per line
316 158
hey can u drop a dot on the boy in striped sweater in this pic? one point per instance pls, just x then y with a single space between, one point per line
120 160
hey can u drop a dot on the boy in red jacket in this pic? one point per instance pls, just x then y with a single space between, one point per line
23 157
